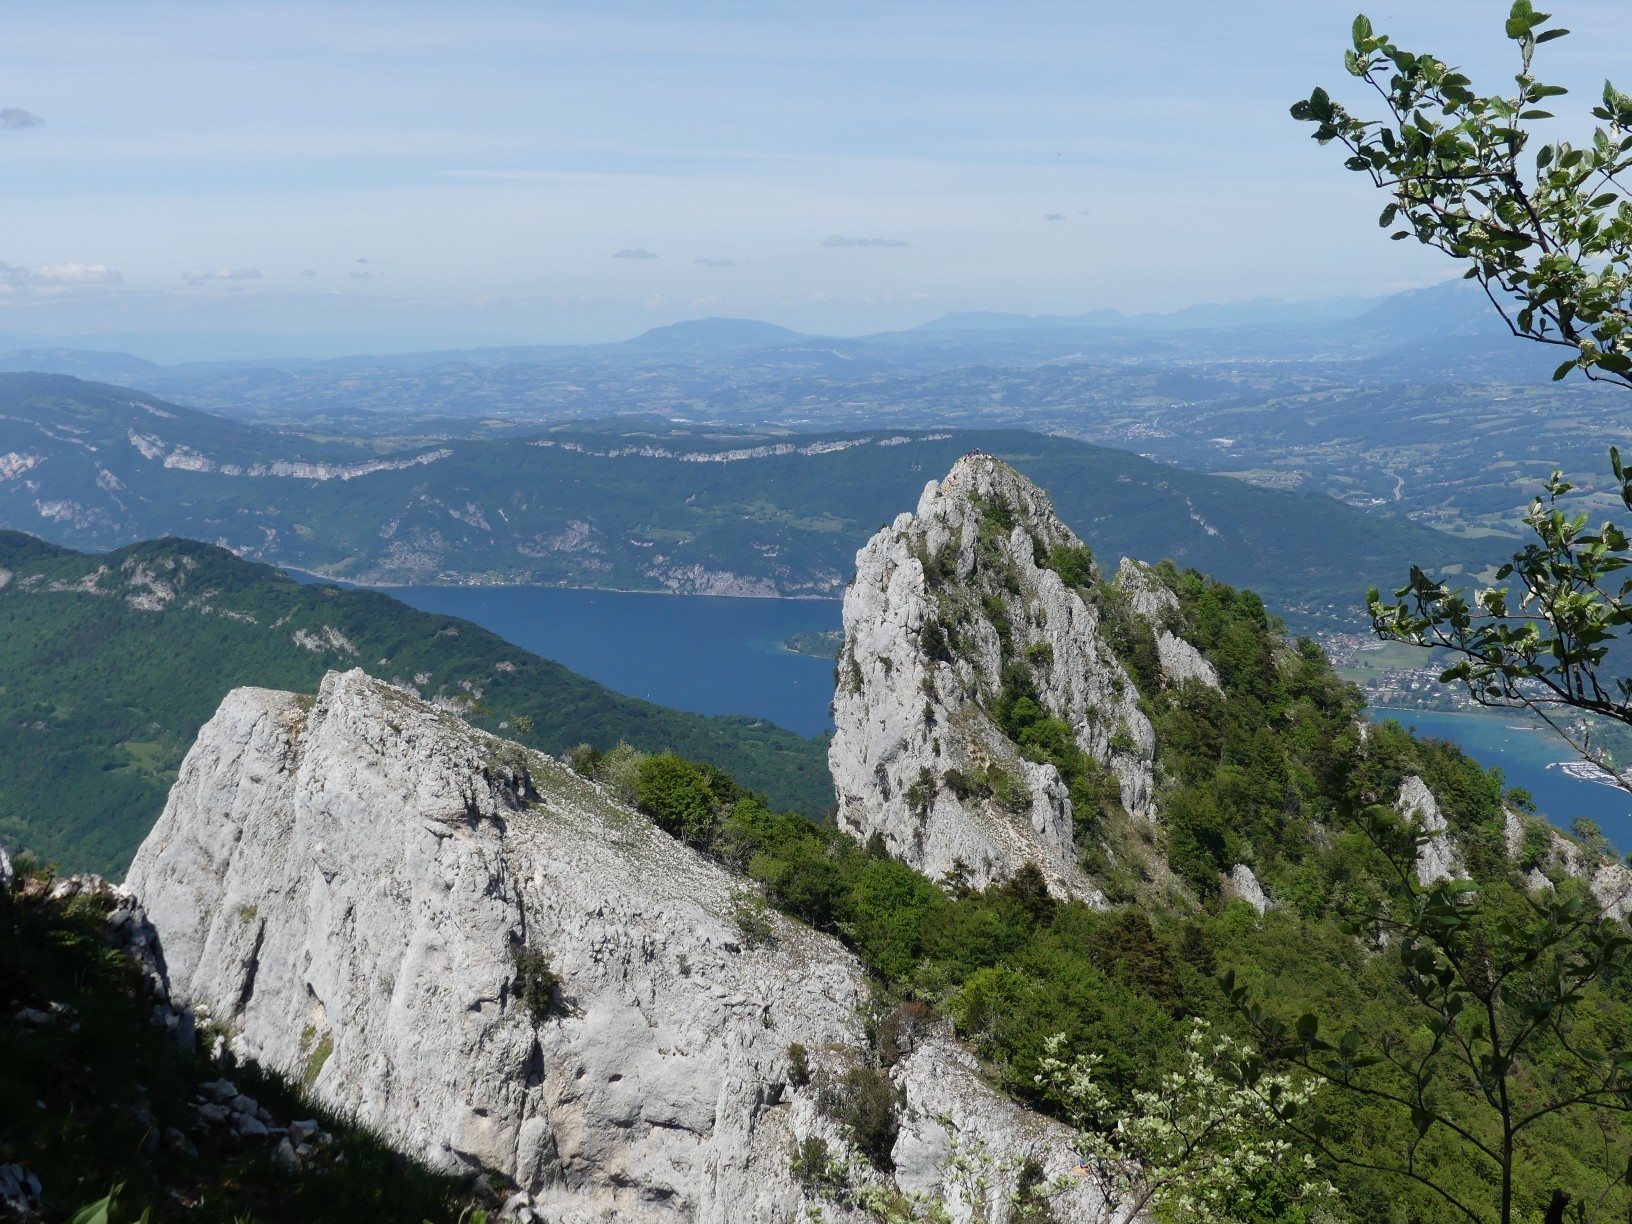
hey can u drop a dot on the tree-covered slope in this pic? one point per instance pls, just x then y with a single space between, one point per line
89 465
109 664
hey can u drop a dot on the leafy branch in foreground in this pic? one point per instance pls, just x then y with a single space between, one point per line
1507 1033
1203 1145
1547 649
1551 245
1549 239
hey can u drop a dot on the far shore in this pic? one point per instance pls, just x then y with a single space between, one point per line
298 574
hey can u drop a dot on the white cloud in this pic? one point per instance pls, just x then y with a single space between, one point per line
60 274
634 253
14 117
716 263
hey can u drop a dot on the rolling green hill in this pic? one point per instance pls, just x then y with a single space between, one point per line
109 664
655 508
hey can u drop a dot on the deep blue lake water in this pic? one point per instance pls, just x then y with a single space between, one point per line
703 653
713 655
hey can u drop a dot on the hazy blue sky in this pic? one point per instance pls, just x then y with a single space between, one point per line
559 171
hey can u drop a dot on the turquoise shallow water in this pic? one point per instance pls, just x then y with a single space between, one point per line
713 655
1529 758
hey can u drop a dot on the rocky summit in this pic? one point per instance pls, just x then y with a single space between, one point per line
500 967
980 599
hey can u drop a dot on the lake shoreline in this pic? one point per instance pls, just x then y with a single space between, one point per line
311 578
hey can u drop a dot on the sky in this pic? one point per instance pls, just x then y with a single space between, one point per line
550 172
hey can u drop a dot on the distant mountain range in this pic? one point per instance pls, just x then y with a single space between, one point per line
108 356
632 506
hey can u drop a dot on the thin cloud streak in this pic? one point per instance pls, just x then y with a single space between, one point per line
199 276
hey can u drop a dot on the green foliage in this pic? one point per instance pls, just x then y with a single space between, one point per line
1545 646
813 1164
1514 996
798 1065
679 796
867 1105
1073 563
99 699
536 980
1203 1145
1550 238
110 1083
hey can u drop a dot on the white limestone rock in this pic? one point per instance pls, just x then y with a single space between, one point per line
8 876
342 885
950 1111
917 758
1437 858
1248 889
1609 879
1150 599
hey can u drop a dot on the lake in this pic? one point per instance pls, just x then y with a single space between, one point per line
1528 758
704 653
714 655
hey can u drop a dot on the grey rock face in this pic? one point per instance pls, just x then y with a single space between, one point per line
944 600
1607 878
346 886
1153 602
1437 858
1248 889
949 1112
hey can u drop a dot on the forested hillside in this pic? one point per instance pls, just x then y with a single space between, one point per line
659 509
1391 954
109 664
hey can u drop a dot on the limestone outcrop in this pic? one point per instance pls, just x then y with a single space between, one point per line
487 958
979 596
1437 856
1606 876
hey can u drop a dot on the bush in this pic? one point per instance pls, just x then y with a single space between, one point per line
619 771
753 919
583 759
813 1163
865 1103
677 794
536 980
1075 566
798 1065
901 1031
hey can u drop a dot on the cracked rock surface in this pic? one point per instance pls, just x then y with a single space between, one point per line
944 600
346 886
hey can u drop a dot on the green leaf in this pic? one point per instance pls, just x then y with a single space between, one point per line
1361 32
1550 35
1563 370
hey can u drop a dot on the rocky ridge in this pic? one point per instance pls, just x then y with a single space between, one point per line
979 593
500 967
